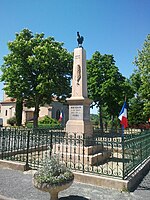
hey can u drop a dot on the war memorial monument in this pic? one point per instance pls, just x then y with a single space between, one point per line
79 103
79 125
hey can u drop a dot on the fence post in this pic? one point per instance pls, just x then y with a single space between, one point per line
51 144
27 158
123 159
83 153
3 144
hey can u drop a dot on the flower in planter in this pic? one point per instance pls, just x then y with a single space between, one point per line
53 172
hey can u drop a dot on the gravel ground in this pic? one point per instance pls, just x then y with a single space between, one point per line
17 185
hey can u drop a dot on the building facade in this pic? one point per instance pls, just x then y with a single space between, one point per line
8 110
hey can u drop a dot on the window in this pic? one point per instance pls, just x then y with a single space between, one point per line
6 113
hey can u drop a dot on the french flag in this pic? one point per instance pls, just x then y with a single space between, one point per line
123 115
61 116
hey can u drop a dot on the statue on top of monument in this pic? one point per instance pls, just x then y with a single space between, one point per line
79 39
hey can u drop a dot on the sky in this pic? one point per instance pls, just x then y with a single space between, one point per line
117 27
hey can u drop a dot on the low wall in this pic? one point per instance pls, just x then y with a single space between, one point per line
136 177
103 181
110 182
12 165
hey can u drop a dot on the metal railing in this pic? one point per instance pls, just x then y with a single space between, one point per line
136 150
110 154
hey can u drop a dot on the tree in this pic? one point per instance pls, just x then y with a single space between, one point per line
94 119
11 121
142 61
136 104
106 86
36 70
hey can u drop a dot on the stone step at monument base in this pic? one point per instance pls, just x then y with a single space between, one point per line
91 155
91 160
78 148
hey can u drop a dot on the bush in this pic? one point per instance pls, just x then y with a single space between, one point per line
29 124
53 172
46 122
11 121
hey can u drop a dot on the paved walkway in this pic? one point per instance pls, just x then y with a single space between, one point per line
16 185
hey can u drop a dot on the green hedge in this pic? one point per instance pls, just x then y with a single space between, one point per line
46 122
49 126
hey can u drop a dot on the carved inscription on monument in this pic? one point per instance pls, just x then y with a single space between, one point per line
76 112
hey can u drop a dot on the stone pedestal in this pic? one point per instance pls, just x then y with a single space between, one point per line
82 155
79 117
79 103
85 151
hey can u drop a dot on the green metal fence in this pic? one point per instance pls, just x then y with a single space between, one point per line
110 154
136 150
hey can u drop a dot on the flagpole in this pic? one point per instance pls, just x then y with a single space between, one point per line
122 127
124 122
125 98
123 149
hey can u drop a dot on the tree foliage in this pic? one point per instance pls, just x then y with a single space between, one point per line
36 69
48 120
106 85
142 61
11 121
135 110
139 111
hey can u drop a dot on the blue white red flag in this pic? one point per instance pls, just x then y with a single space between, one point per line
123 115
61 116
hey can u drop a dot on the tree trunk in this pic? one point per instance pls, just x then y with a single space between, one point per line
36 115
112 122
101 120
19 108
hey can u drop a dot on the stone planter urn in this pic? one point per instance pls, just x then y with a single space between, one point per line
52 189
52 177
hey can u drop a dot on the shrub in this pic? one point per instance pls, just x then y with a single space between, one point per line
11 121
53 172
48 120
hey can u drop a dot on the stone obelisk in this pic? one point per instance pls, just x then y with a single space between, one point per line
79 103
87 153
